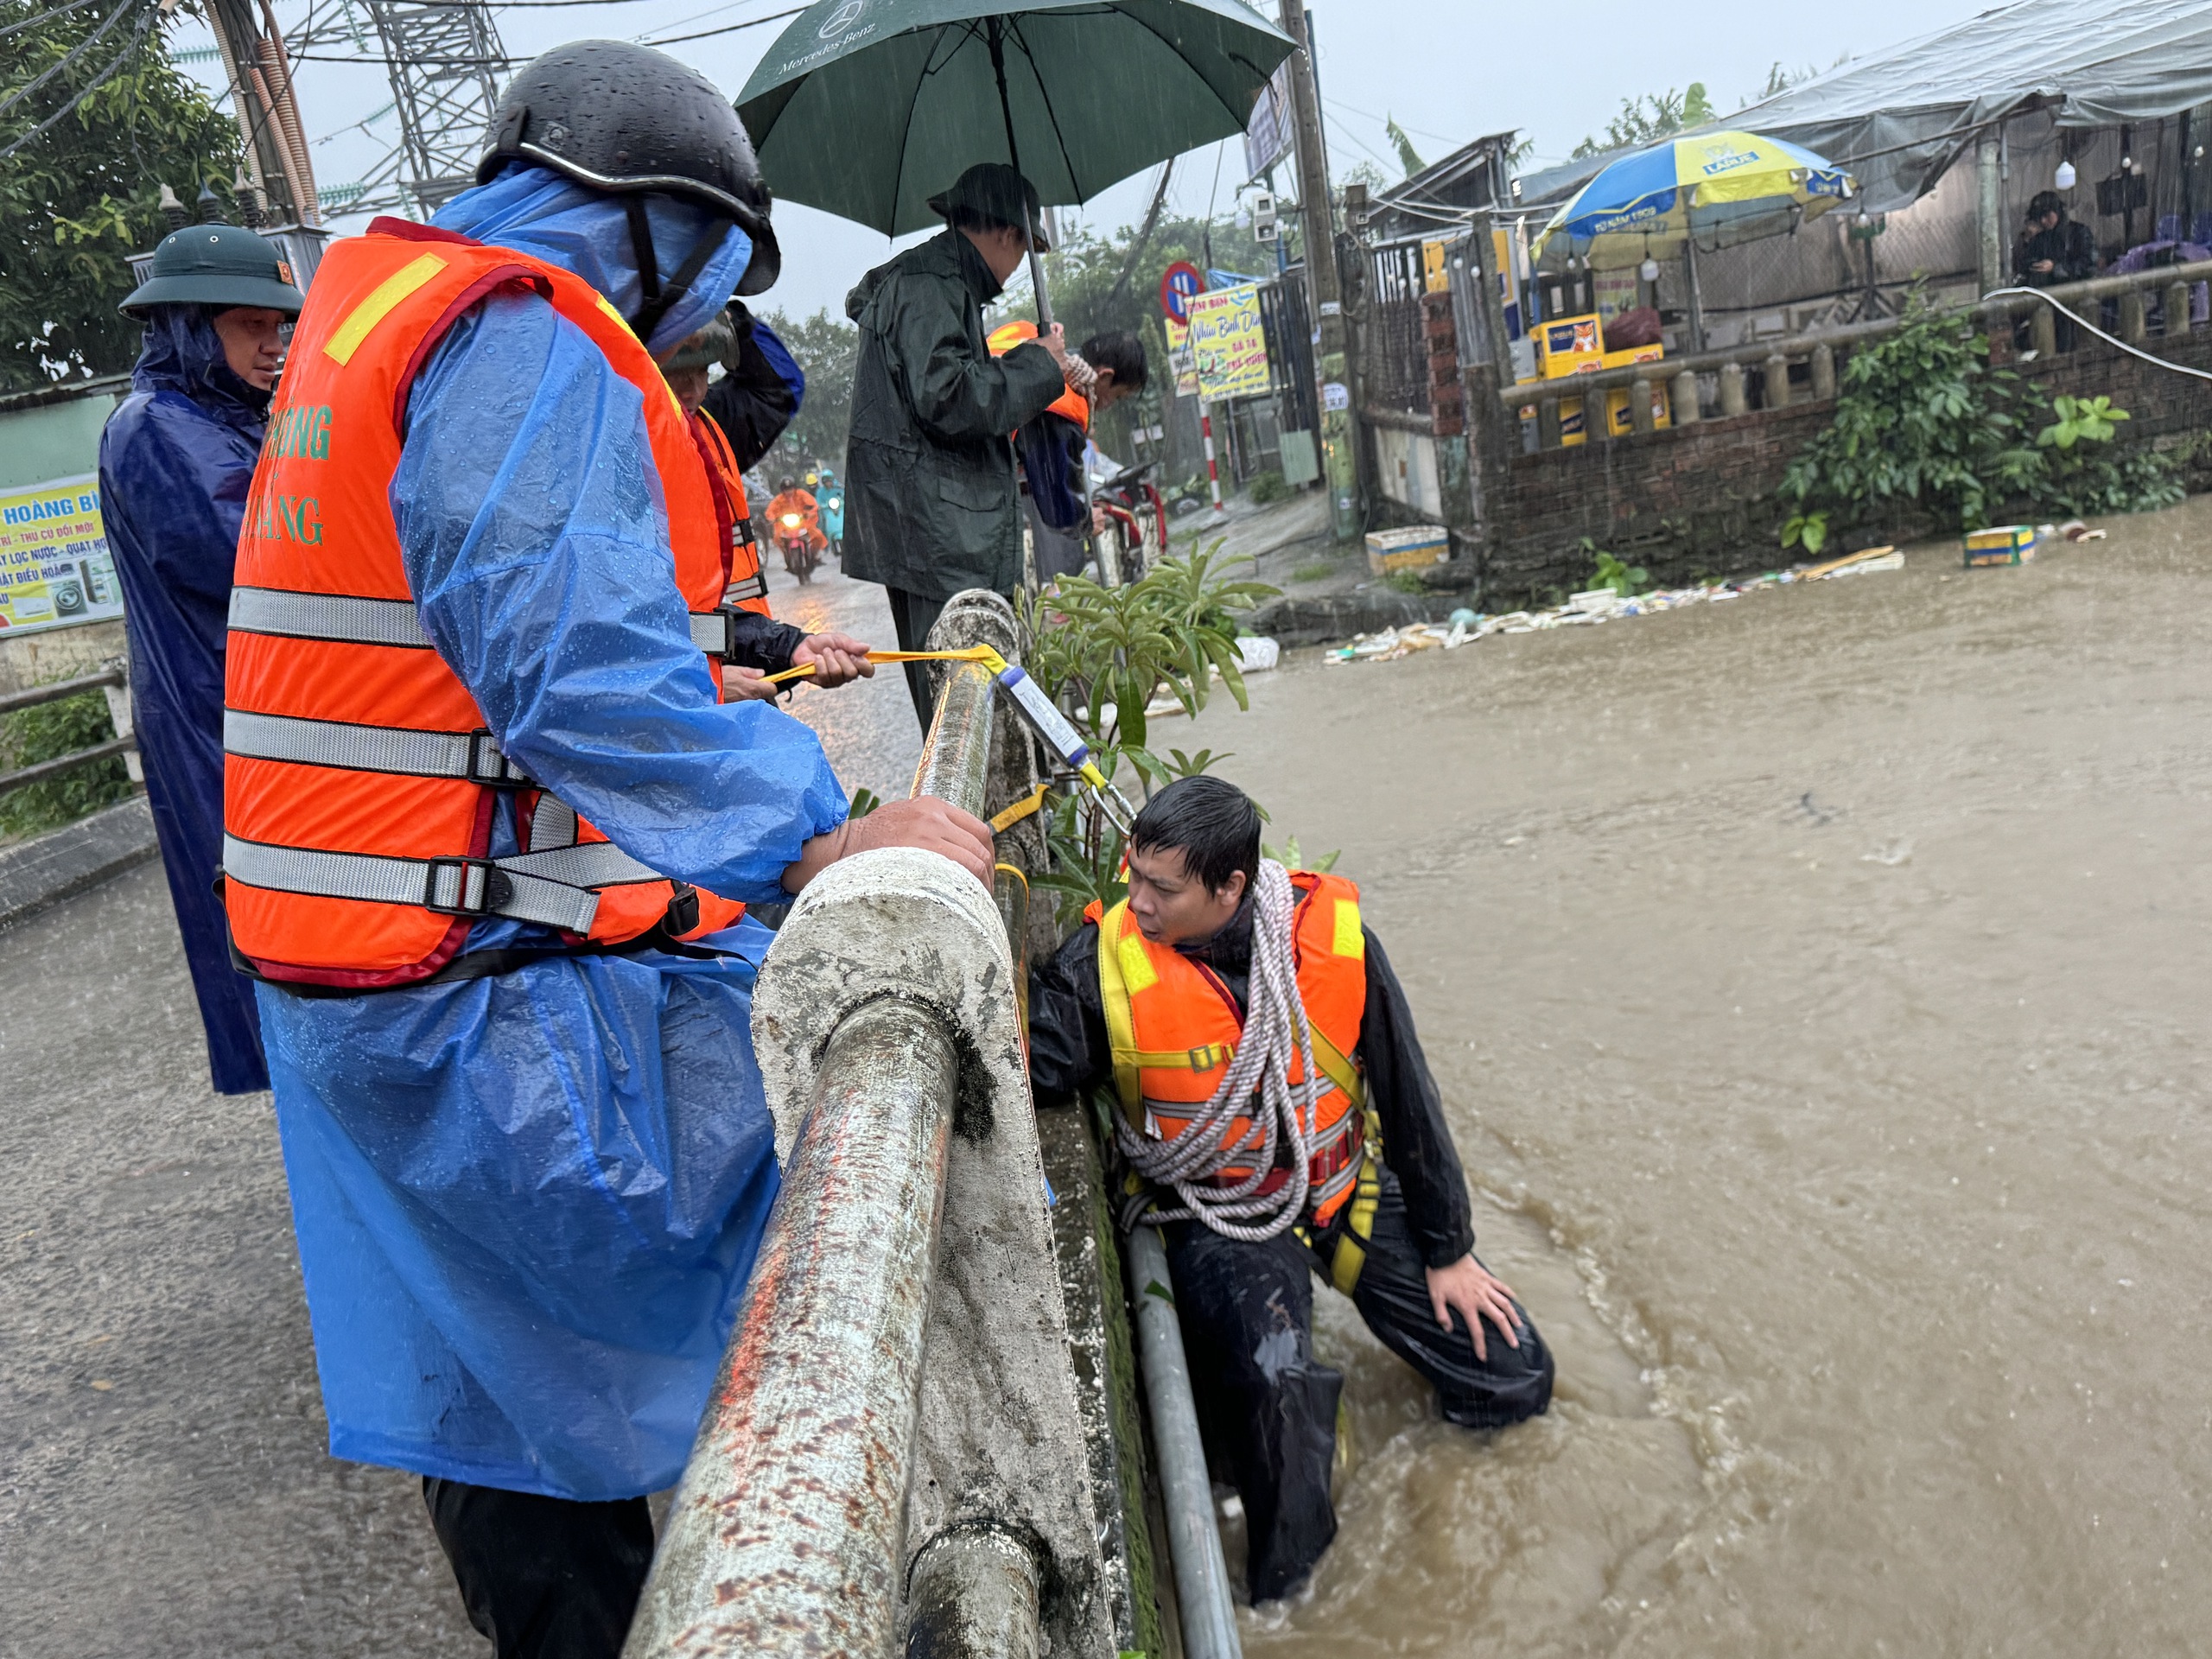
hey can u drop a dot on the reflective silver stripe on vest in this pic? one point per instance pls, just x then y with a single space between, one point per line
551 888
711 632
327 616
460 886
552 823
753 586
471 755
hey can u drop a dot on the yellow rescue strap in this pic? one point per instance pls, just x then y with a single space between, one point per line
1025 807
983 654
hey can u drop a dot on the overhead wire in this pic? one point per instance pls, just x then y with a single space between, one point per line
138 35
44 16
69 57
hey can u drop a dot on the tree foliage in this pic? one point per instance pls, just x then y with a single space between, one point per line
827 348
1644 121
1923 421
74 199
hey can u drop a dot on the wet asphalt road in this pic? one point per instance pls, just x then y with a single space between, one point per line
164 1483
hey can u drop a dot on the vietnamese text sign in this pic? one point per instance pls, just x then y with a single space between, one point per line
54 568
1228 343
1178 359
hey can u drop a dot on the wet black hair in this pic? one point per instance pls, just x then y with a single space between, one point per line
1210 822
1120 351
2046 201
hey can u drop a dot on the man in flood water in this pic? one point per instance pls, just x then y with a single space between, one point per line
1207 1000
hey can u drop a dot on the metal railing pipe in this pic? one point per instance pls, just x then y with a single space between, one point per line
1209 1615
973 1595
785 1536
54 690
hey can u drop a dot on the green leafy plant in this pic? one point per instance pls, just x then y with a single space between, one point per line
1808 530
1625 578
1103 654
1921 419
865 801
1405 582
1291 856
2081 419
46 731
1314 570
1268 487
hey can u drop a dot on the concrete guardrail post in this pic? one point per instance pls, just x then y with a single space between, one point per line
1681 402
2043 332
1773 387
1822 363
1639 407
1733 398
1549 436
2132 328
2176 309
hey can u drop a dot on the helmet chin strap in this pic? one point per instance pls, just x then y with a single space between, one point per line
659 299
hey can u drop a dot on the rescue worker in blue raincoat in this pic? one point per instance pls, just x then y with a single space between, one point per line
174 463
528 1189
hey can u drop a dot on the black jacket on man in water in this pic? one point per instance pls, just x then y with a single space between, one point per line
1266 1408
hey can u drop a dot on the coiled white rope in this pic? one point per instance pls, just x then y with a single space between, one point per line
1275 1031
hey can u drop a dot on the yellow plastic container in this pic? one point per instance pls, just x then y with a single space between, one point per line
1570 344
1413 548
2000 545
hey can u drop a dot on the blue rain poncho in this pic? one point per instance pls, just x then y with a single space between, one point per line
175 461
526 1204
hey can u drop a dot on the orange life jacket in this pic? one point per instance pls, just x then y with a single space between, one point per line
1174 1025
1070 403
746 589
359 777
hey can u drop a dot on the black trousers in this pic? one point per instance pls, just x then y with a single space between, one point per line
545 1578
912 619
1267 1409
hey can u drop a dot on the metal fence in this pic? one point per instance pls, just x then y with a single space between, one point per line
1392 341
113 678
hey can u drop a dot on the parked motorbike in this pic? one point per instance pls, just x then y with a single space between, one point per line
1130 507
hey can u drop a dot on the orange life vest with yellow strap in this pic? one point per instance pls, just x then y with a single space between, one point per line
1070 403
745 587
1174 1025
359 777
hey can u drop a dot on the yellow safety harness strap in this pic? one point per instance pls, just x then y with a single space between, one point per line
1121 1022
983 654
1027 806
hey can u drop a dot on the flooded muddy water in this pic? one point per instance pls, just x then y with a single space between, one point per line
1817 984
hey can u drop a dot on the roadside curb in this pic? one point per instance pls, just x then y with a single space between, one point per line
64 862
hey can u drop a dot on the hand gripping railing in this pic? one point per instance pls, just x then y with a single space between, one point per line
894 1440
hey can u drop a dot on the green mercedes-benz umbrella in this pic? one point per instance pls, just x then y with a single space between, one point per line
867 108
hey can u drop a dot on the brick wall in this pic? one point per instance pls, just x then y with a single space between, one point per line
1699 500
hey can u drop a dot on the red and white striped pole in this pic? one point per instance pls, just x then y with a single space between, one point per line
1213 468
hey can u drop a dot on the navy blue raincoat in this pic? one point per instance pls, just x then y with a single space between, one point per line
175 462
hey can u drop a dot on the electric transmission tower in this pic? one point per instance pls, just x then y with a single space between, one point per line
445 61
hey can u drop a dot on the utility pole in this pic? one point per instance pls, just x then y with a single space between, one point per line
1332 362
277 165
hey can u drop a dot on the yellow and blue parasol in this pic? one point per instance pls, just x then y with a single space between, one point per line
1719 188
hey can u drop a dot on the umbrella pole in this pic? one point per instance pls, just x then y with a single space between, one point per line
1014 159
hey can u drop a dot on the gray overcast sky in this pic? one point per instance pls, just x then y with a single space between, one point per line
1448 72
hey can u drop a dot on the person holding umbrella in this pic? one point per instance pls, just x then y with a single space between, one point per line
930 491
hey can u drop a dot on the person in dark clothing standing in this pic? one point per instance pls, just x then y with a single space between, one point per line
2055 249
1135 1001
175 461
929 499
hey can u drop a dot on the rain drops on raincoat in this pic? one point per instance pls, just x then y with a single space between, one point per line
527 1204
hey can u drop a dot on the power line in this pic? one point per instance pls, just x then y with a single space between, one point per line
727 28
44 16
137 34
66 58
